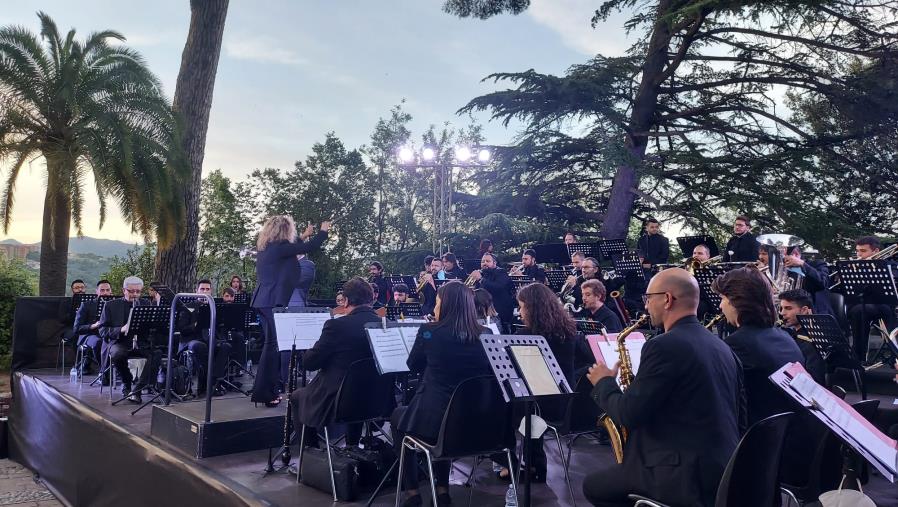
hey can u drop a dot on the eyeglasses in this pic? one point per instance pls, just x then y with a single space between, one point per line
133 291
645 297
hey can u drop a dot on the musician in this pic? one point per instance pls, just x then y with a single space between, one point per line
570 238
701 252
747 304
379 309
342 342
400 294
78 287
792 304
590 270
340 305
113 328
227 295
862 315
87 322
497 282
154 294
653 247
195 338
486 246
682 410
237 284
376 276
452 269
577 259
483 302
276 275
742 246
594 308
812 276
433 267
530 268
447 352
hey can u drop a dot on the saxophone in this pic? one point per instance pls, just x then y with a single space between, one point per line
617 434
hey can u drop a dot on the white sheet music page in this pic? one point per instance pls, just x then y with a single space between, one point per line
304 326
389 348
409 334
606 351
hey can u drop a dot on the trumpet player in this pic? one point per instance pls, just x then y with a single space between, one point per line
810 275
530 268
682 410
497 282
427 288
863 312
590 271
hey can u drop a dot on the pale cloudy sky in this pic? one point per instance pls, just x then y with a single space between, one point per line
292 70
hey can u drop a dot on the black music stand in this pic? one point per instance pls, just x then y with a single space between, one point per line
338 286
516 382
230 318
611 248
705 276
144 319
555 253
688 243
629 265
587 249
241 298
555 278
871 281
403 310
77 299
518 282
408 280
828 338
588 327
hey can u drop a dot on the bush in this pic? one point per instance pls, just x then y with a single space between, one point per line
15 281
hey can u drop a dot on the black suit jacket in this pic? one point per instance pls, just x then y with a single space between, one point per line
654 248
682 412
744 248
85 317
498 284
277 271
604 316
762 351
384 289
114 316
816 282
343 341
456 273
537 273
445 362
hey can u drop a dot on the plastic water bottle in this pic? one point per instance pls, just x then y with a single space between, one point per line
160 378
73 375
510 499
249 365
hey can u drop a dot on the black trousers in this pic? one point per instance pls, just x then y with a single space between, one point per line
94 344
608 487
860 317
120 352
410 466
200 351
268 374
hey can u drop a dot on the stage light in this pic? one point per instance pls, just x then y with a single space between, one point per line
428 153
483 155
462 153
406 154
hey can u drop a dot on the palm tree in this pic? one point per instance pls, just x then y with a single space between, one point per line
90 106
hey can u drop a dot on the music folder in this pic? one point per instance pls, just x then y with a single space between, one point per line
301 326
840 417
604 349
391 344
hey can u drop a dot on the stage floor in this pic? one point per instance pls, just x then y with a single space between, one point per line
243 474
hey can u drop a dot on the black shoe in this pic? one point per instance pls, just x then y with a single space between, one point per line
414 501
444 499
135 398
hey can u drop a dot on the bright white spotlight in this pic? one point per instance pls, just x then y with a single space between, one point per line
484 155
462 153
406 154
428 153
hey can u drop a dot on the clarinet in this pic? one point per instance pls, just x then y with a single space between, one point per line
288 419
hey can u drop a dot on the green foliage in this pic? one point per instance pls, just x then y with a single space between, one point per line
90 105
225 229
139 261
15 281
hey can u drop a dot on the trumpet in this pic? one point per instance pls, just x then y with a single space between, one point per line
422 281
567 288
714 320
517 269
470 281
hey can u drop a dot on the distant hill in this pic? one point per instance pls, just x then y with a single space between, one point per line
95 246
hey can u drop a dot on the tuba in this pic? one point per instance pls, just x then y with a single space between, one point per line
617 434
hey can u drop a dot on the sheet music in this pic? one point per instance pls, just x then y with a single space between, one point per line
389 347
844 420
409 333
606 351
304 326
492 325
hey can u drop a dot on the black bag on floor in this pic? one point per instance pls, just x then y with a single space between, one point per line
316 473
373 462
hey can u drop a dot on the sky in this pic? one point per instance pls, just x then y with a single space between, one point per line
291 71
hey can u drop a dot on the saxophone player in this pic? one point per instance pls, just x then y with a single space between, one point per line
682 409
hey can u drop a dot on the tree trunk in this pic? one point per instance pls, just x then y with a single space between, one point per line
626 180
55 235
176 264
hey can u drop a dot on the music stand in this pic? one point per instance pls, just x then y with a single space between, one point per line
518 282
391 353
705 276
77 299
587 249
521 381
688 243
871 281
231 317
555 253
610 248
556 278
241 298
403 310
629 265
144 319
827 337
408 280
588 327
338 286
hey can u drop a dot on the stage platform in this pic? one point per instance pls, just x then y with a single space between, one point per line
89 452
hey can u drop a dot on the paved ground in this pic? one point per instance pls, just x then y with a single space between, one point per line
18 487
